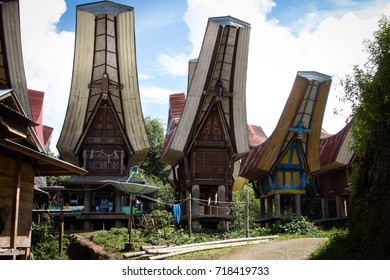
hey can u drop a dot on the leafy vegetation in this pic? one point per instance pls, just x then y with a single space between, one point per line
292 224
44 240
368 89
338 247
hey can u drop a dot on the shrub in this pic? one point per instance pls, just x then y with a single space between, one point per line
292 224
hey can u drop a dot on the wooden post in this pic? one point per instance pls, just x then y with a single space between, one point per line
129 246
61 233
262 208
189 218
269 207
341 206
247 213
277 205
131 218
325 208
298 205
15 203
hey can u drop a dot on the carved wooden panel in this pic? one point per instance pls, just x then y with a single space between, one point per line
210 165
211 134
103 146
210 158
104 162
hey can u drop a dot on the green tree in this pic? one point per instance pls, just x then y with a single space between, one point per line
368 89
155 172
152 164
238 207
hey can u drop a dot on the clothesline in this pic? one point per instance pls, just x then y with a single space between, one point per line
162 202
201 201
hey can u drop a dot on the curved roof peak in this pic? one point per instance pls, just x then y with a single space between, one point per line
104 7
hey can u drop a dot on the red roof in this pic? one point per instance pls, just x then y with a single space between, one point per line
176 106
36 103
256 135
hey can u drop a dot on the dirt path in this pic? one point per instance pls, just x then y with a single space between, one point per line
292 249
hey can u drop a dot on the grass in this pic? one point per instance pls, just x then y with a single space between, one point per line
338 247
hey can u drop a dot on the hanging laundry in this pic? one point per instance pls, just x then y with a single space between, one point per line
176 212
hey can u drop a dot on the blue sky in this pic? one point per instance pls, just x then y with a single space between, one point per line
286 36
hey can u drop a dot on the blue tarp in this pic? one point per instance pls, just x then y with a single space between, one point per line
176 212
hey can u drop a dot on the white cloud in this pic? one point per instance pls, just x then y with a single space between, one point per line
152 94
48 57
174 65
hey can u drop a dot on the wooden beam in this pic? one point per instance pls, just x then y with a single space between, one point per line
15 202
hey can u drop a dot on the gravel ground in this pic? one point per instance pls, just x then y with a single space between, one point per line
292 249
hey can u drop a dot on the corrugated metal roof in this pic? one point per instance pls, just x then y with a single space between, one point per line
330 145
256 135
176 106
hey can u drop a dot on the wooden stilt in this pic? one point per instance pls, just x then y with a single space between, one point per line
325 208
298 205
277 205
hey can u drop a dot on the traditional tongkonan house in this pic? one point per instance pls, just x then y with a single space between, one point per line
103 130
22 155
331 181
279 167
207 130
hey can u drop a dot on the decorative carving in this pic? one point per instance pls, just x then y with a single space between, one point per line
105 85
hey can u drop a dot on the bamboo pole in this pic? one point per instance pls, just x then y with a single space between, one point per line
61 233
135 254
202 248
226 241
247 213
130 217
143 248
189 215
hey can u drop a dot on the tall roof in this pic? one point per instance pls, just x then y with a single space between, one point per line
301 119
12 74
218 73
104 58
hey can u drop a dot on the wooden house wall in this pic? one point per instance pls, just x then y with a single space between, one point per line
7 170
13 49
333 183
